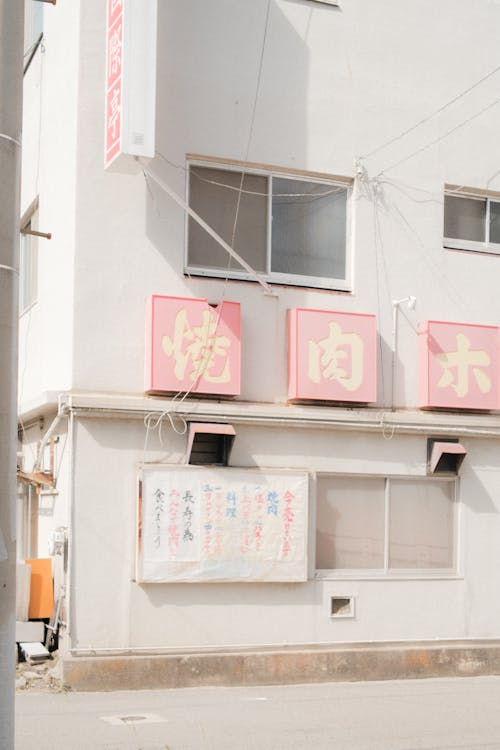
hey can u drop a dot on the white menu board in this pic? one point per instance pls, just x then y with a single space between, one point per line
221 524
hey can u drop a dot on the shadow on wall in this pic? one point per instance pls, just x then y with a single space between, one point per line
385 371
479 477
194 595
229 85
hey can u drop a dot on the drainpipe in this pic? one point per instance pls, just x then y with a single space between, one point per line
62 412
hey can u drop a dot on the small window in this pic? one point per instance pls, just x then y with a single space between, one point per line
385 525
291 230
472 222
28 267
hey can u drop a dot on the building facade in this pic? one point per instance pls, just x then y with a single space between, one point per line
259 354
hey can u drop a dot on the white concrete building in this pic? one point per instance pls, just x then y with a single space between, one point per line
348 153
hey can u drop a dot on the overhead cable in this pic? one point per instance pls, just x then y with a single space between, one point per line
440 138
433 114
182 203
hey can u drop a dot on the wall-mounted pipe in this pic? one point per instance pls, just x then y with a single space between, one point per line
62 413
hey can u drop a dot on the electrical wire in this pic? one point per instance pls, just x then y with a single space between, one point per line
394 185
10 139
440 138
153 421
433 114
452 292
313 196
249 141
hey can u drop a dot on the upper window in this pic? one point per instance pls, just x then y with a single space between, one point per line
385 525
472 222
291 230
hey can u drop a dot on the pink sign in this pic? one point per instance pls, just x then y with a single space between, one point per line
114 70
332 356
191 346
459 366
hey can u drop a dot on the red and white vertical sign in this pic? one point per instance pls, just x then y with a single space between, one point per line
114 80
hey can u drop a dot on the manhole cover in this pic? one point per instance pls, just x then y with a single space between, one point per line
133 719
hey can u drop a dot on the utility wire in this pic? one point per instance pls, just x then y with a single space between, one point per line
440 138
10 139
153 421
433 114
250 134
265 195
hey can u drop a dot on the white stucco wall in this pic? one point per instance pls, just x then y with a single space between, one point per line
336 84
110 610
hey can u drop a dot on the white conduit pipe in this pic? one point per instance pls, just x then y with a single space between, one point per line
61 414
305 422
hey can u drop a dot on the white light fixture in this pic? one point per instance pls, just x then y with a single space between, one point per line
411 301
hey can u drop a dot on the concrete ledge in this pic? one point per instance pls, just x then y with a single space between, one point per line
345 663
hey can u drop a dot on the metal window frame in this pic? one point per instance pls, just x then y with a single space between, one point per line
313 282
28 263
452 243
386 572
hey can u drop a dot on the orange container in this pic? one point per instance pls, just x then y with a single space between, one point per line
42 588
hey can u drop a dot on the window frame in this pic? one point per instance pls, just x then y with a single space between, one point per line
28 248
451 243
326 2
386 573
272 277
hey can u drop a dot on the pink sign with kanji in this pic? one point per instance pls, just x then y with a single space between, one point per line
459 366
332 356
114 79
192 346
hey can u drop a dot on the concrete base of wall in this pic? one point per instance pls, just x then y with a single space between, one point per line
388 661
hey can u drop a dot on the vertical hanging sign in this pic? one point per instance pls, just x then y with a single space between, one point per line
130 80
114 80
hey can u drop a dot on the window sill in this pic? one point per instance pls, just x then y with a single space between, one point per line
305 282
475 247
356 575
327 2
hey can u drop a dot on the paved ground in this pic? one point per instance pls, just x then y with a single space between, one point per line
442 714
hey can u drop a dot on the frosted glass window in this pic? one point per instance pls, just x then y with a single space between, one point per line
494 222
213 194
350 523
421 529
308 228
465 218
289 230
383 524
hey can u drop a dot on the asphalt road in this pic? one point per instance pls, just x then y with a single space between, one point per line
438 714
